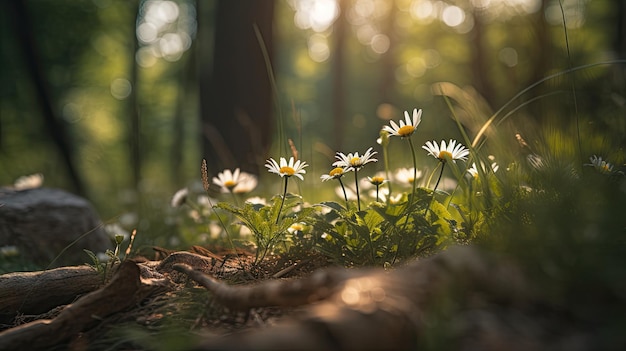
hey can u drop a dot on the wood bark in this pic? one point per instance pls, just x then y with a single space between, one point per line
236 91
121 293
55 127
38 292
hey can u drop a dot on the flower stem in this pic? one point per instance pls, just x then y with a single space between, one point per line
345 196
414 169
412 199
443 165
219 218
356 182
282 202
236 202
386 157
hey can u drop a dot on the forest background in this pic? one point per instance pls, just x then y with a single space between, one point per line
119 101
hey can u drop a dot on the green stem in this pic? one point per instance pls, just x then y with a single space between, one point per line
234 197
230 240
386 157
412 199
414 170
443 165
282 202
356 182
345 195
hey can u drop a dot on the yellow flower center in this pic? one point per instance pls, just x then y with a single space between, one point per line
336 172
230 184
286 170
605 167
444 155
376 180
406 131
355 161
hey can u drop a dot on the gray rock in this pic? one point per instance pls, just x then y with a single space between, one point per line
43 223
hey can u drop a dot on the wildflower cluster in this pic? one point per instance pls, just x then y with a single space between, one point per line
392 227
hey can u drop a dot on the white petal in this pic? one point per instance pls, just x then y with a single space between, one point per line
394 125
407 117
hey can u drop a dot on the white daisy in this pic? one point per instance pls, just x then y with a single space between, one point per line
407 129
236 182
256 200
377 180
406 175
180 197
287 169
28 182
473 171
335 173
600 165
444 152
353 161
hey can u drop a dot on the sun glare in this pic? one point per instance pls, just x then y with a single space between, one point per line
165 29
317 15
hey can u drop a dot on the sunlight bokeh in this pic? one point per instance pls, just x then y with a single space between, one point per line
165 29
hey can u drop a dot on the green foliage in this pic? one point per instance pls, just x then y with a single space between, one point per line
384 233
113 258
267 223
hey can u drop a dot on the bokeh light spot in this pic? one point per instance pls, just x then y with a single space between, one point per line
453 16
121 88
319 51
380 43
508 56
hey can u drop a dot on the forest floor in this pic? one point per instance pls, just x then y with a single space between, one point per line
173 310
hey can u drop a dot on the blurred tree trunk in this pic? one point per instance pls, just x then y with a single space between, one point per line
55 127
619 43
338 89
479 64
543 56
235 91
620 34
388 78
134 131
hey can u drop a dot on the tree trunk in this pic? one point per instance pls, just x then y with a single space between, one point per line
55 127
236 95
134 130
338 89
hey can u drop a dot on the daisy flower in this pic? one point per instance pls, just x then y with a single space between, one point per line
287 169
28 182
296 228
473 171
407 175
235 182
180 197
377 180
444 152
335 173
353 161
600 165
405 130
257 200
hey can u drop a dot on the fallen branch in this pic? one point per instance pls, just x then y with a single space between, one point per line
122 292
38 292
269 293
